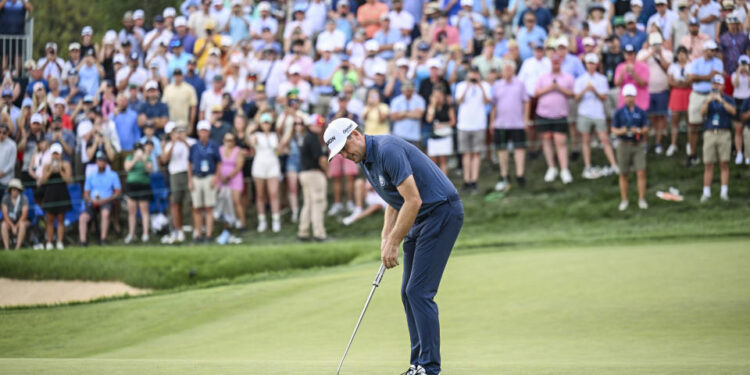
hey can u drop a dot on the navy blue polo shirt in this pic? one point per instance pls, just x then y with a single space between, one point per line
204 158
717 117
389 160
158 109
625 118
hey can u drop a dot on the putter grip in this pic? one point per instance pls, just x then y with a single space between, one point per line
379 276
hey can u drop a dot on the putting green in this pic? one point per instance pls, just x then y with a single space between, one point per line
644 309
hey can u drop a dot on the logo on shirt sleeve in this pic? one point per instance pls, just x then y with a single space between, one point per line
381 180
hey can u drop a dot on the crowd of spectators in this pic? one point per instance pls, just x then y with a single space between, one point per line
221 105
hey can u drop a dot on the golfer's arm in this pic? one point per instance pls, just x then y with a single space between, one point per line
389 220
408 212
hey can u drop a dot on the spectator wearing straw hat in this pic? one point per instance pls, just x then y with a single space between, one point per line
700 72
630 125
718 111
15 210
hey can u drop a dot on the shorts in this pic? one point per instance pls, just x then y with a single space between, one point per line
471 140
694 107
138 192
658 103
266 167
372 198
555 125
585 124
442 146
631 156
203 195
572 110
738 106
503 137
717 146
679 98
179 184
341 166
610 104
91 211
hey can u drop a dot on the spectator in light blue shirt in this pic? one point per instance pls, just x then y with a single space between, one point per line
322 73
126 123
179 59
501 44
386 36
238 26
632 34
571 64
406 113
529 35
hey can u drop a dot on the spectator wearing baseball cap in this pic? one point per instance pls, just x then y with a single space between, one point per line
130 32
176 157
658 59
694 39
266 20
633 35
204 45
741 93
630 125
160 34
204 160
181 99
664 19
718 111
152 111
132 73
295 82
51 64
700 72
101 190
183 34
74 58
87 42
34 136
632 71
733 43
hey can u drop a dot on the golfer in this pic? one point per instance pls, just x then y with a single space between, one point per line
423 211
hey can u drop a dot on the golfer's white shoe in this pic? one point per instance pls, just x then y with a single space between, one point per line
415 370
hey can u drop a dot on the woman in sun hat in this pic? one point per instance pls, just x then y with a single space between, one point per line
15 208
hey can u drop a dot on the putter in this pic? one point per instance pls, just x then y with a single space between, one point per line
375 284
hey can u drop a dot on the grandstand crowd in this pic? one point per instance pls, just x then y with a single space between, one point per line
219 106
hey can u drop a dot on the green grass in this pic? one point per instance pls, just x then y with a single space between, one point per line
540 215
638 309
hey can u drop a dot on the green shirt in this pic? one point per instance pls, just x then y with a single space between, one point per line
337 80
138 174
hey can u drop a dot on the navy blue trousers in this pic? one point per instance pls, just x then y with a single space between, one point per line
427 247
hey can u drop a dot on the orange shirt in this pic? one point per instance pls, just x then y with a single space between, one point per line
367 12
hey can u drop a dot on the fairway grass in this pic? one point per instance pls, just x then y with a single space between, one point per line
641 309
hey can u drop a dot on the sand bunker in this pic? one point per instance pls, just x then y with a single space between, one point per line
26 292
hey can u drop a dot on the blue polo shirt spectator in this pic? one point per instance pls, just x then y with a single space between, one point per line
704 66
537 36
501 48
451 12
324 69
407 128
386 38
157 109
126 123
179 59
102 185
204 158
30 86
13 17
636 39
573 66
625 118
543 17
717 116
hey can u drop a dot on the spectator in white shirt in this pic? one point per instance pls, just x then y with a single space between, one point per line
400 19
664 18
331 37
51 65
472 96
591 90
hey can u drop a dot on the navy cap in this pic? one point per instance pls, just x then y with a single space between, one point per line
125 42
423 46
159 18
175 43
177 71
72 72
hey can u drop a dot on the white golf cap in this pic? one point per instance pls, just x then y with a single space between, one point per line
215 51
87 30
169 126
119 58
36 117
110 37
630 16
203 125
151 85
294 69
589 41
744 59
718 78
403 61
561 42
591 58
264 6
74 45
638 3
629 90
434 63
180 21
169 12
380 69
138 14
56 149
709 44
467 3
660 1
336 134
84 127
399 46
60 100
655 38
372 45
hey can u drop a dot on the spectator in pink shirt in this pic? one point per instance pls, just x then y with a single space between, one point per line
508 123
635 73
442 26
553 90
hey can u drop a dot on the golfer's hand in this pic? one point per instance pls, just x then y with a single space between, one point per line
389 255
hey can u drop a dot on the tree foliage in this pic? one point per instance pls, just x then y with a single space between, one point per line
61 21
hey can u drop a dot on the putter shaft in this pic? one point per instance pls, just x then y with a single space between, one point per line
375 284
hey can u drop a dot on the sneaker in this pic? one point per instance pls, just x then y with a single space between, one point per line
642 204
615 170
144 238
197 240
48 246
739 159
687 149
347 221
551 174
335 209
705 198
276 226
566 177
747 161
59 246
623 205
521 181
180 236
411 371
223 237
671 150
658 150
232 240
38 246
295 216
724 197
350 206
262 226
168 239
501 185
588 173
128 239
83 244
